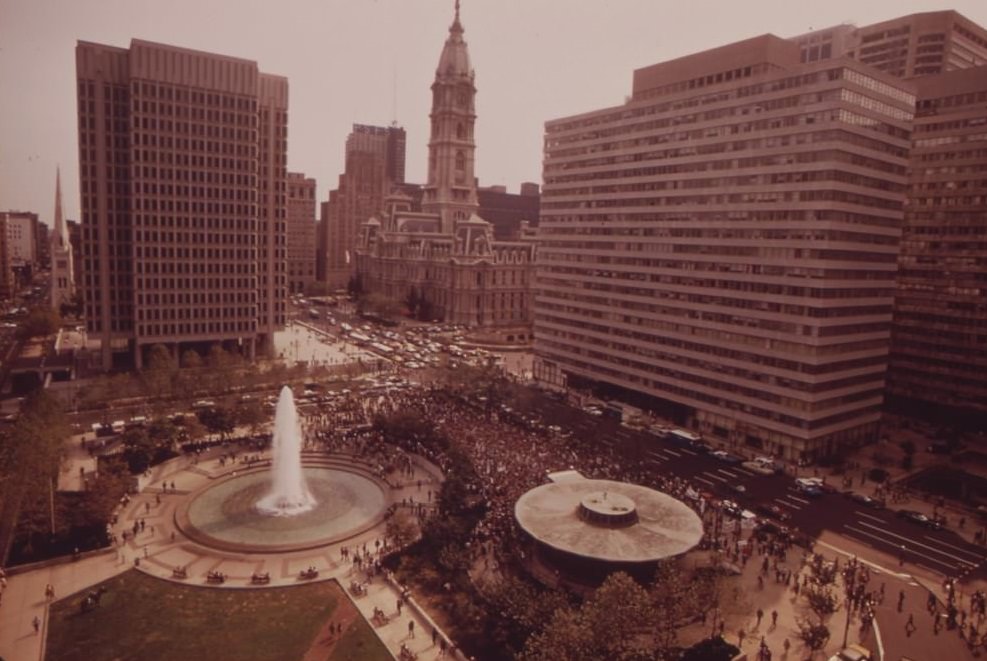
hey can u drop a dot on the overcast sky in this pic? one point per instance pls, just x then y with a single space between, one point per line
372 62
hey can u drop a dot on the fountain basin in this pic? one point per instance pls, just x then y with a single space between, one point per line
224 515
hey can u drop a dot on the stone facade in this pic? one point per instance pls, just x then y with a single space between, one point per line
446 254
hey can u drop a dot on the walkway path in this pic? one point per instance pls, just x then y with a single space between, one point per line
161 547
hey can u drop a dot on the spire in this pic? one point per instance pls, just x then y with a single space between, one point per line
60 233
455 58
456 25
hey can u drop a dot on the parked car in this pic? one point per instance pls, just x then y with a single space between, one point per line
919 518
852 653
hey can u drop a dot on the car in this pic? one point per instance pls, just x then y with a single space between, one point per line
819 483
726 457
758 467
771 528
808 487
919 518
852 653
731 508
773 511
864 499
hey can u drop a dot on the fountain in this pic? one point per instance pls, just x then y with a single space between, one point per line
289 495
296 505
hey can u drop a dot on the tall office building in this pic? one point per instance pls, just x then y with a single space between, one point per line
301 232
62 262
914 45
182 159
723 245
939 343
375 158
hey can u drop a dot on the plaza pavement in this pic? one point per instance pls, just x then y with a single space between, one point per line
158 553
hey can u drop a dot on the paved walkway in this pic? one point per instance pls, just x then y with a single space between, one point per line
160 547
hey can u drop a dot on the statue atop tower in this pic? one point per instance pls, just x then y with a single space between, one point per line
451 188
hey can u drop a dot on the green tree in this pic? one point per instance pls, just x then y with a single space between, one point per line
159 372
815 636
250 413
191 359
401 528
41 321
711 649
822 601
614 623
138 449
412 301
31 452
218 420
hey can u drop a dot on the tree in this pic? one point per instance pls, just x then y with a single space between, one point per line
613 623
380 306
191 359
250 413
218 420
160 370
412 301
401 528
40 322
138 449
711 649
821 601
815 636
31 452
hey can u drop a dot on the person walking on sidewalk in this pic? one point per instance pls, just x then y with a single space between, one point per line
411 628
36 623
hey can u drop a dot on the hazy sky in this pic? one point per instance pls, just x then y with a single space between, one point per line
372 61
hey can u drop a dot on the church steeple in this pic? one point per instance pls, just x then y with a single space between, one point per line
451 188
62 279
61 234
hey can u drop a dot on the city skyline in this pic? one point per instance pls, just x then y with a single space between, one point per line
516 48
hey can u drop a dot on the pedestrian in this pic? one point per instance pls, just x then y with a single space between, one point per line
760 614
774 619
435 634
411 628
901 599
36 623
399 605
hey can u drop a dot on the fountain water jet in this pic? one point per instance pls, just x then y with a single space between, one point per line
289 494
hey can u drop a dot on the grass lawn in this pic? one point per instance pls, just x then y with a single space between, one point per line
147 619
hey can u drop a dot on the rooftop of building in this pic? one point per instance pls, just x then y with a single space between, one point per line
608 520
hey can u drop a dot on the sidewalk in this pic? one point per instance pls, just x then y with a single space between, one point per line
160 552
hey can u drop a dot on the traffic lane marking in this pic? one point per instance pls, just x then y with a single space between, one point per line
978 556
926 546
871 516
796 498
726 472
701 479
715 477
788 504
898 547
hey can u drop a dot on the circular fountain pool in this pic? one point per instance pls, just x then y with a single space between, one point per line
224 514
